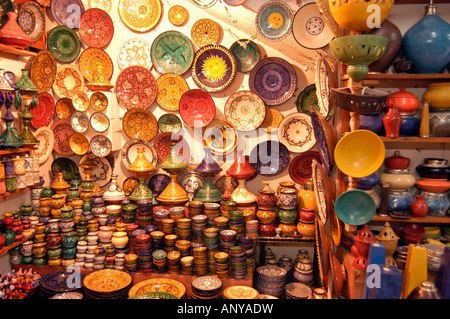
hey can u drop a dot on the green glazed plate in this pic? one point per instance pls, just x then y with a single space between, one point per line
64 44
307 99
169 123
155 295
65 165
247 54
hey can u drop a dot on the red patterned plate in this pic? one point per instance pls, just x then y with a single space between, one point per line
136 87
43 112
63 131
197 108
96 28
300 167
162 146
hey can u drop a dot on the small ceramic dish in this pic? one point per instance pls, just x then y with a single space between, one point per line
79 122
99 122
100 146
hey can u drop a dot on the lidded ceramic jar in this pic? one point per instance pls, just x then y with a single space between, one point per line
266 198
69 240
399 201
288 199
397 161
287 216
120 239
398 179
403 101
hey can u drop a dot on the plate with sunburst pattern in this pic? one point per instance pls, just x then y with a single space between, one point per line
213 68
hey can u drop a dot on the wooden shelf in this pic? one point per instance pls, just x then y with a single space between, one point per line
284 240
400 80
15 151
425 220
11 50
17 191
415 139
14 245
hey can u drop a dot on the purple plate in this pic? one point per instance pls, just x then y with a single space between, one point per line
274 80
158 183
322 144
269 158
67 12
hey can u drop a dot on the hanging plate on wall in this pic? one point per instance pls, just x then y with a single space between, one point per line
129 152
101 174
245 110
274 20
140 123
64 44
43 70
46 140
62 131
43 112
171 88
205 31
197 108
247 54
96 28
68 81
135 51
140 15
296 132
67 12
31 19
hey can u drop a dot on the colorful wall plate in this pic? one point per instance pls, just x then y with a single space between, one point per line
129 152
91 60
307 99
191 182
300 168
169 123
296 132
62 131
99 101
79 121
135 51
220 136
172 52
171 87
68 81
101 174
204 3
245 110
178 15
197 108
140 15
213 68
43 112
140 124
226 182
158 183
81 101
64 44
100 145
43 70
205 31
67 12
96 28
269 158
234 3
66 166
163 147
105 5
247 54
274 80
64 108
136 87
99 122
274 20
31 19
325 80
79 144
272 120
46 140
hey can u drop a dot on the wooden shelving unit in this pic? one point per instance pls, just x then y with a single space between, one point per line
397 80
11 50
14 151
425 220
14 245
415 139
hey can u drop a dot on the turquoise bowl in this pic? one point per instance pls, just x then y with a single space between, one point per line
355 207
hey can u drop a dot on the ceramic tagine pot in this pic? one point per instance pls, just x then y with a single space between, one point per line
208 168
141 168
360 250
114 195
242 170
12 34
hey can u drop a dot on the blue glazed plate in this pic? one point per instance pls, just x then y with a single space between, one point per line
269 158
274 20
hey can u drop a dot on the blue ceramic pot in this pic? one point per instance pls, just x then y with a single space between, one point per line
428 40
372 122
410 125
368 182
438 203
400 202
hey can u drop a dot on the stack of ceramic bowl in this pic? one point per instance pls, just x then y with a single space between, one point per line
434 257
240 292
169 242
401 256
270 280
119 261
212 211
167 226
303 272
158 215
200 261
131 263
238 262
296 290
251 229
211 238
413 234
433 232
206 287
129 212
144 213
221 222
148 229
187 265
81 253
199 224
221 265
99 258
446 232
110 256
176 213
227 239
98 204
195 207
107 284
184 247
173 262
143 248
249 245
160 261
59 282
236 222
184 229
157 239
133 236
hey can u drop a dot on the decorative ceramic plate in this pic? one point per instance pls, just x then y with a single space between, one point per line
300 168
79 144
66 166
159 284
307 99
43 112
274 20
99 101
326 140
79 121
296 132
62 131
100 145
226 182
204 3
68 295
247 54
310 28
67 12
240 292
81 101
191 182
323 190
136 87
140 15
129 185
31 19
43 71
197 108
64 108
169 123
129 152
178 15
44 3
325 79
272 120
91 60
57 282
269 158
172 52
158 183
140 124
245 110
205 31
99 122
101 174
96 28
46 140
135 51
206 283
107 280
234 3
220 136
171 87
274 80
163 147
214 68
68 81
64 44
155 295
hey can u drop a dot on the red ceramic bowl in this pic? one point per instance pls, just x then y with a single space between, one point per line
267 230
413 230
435 185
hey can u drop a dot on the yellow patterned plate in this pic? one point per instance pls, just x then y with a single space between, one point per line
240 292
140 124
99 101
107 280
68 80
93 59
64 108
272 120
205 31
43 70
245 110
159 284
178 15
140 15
81 101
171 87
79 144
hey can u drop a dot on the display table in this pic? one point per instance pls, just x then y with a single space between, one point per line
140 276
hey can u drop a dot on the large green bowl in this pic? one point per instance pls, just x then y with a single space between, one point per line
358 51
355 207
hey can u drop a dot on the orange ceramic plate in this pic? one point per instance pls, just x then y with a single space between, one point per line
64 108
92 60
140 15
99 101
79 144
80 101
171 87
43 70
159 284
107 280
178 15
240 292
68 81
205 31
140 124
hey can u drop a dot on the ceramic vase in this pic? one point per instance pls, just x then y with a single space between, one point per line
392 122
419 207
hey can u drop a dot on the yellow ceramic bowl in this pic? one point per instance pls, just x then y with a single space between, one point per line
438 95
359 153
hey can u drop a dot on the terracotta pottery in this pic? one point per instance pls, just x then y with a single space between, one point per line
266 198
360 250
397 161
306 229
419 207
392 122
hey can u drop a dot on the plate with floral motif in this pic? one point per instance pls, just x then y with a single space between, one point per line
62 131
68 81
169 123
272 120
296 132
159 284
43 71
43 112
197 108
140 15
99 122
129 152
140 124
31 19
274 20
205 31
100 145
240 292
64 44
213 68
204 3
136 87
46 140
135 51
81 101
67 12
64 108
79 121
171 87
178 15
96 28
245 110
300 168
247 54
107 280
91 60
162 144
